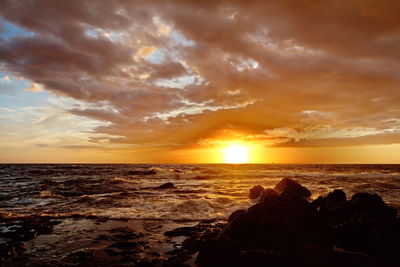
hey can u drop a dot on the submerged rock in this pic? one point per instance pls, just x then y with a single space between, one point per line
19 231
165 186
181 231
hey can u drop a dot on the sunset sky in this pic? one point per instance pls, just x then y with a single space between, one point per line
290 81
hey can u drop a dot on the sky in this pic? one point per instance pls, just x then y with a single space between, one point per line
179 81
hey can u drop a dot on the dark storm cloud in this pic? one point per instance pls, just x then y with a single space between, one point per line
179 72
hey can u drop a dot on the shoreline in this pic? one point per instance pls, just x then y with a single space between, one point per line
84 241
283 227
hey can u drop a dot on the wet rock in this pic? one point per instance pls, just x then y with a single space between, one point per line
111 252
216 252
165 186
235 214
124 245
288 187
256 191
269 193
335 197
370 207
80 255
19 231
278 223
355 259
288 230
182 231
197 236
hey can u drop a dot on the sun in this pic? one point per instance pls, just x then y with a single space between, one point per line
236 154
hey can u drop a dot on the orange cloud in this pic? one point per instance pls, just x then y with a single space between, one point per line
34 88
253 67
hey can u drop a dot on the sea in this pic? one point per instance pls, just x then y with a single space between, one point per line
200 192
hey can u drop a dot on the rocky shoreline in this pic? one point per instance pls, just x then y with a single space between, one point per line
283 228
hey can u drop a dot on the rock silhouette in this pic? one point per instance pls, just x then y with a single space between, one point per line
256 191
165 186
285 229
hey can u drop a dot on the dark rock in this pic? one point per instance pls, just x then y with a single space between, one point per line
277 223
371 208
336 196
288 230
124 245
269 193
216 251
256 191
81 255
165 186
318 202
235 214
121 230
111 252
352 259
19 231
182 231
288 187
103 237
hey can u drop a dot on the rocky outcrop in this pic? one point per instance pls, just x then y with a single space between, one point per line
285 229
287 188
165 186
256 191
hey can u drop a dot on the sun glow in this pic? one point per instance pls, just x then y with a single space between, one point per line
236 154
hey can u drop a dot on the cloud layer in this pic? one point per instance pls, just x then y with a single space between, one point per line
186 73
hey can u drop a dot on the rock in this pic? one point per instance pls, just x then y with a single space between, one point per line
285 229
277 223
124 245
371 208
256 191
182 231
288 187
336 196
216 252
19 231
268 193
348 258
165 186
81 255
235 214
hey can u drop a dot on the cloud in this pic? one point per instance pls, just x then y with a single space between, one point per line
181 72
374 139
34 88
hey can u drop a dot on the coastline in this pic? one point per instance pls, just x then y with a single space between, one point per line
284 227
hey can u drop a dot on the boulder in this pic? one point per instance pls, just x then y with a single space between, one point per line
269 193
368 207
278 223
288 188
284 229
335 197
235 214
165 186
256 191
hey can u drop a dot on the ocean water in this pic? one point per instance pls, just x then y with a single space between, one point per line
200 191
